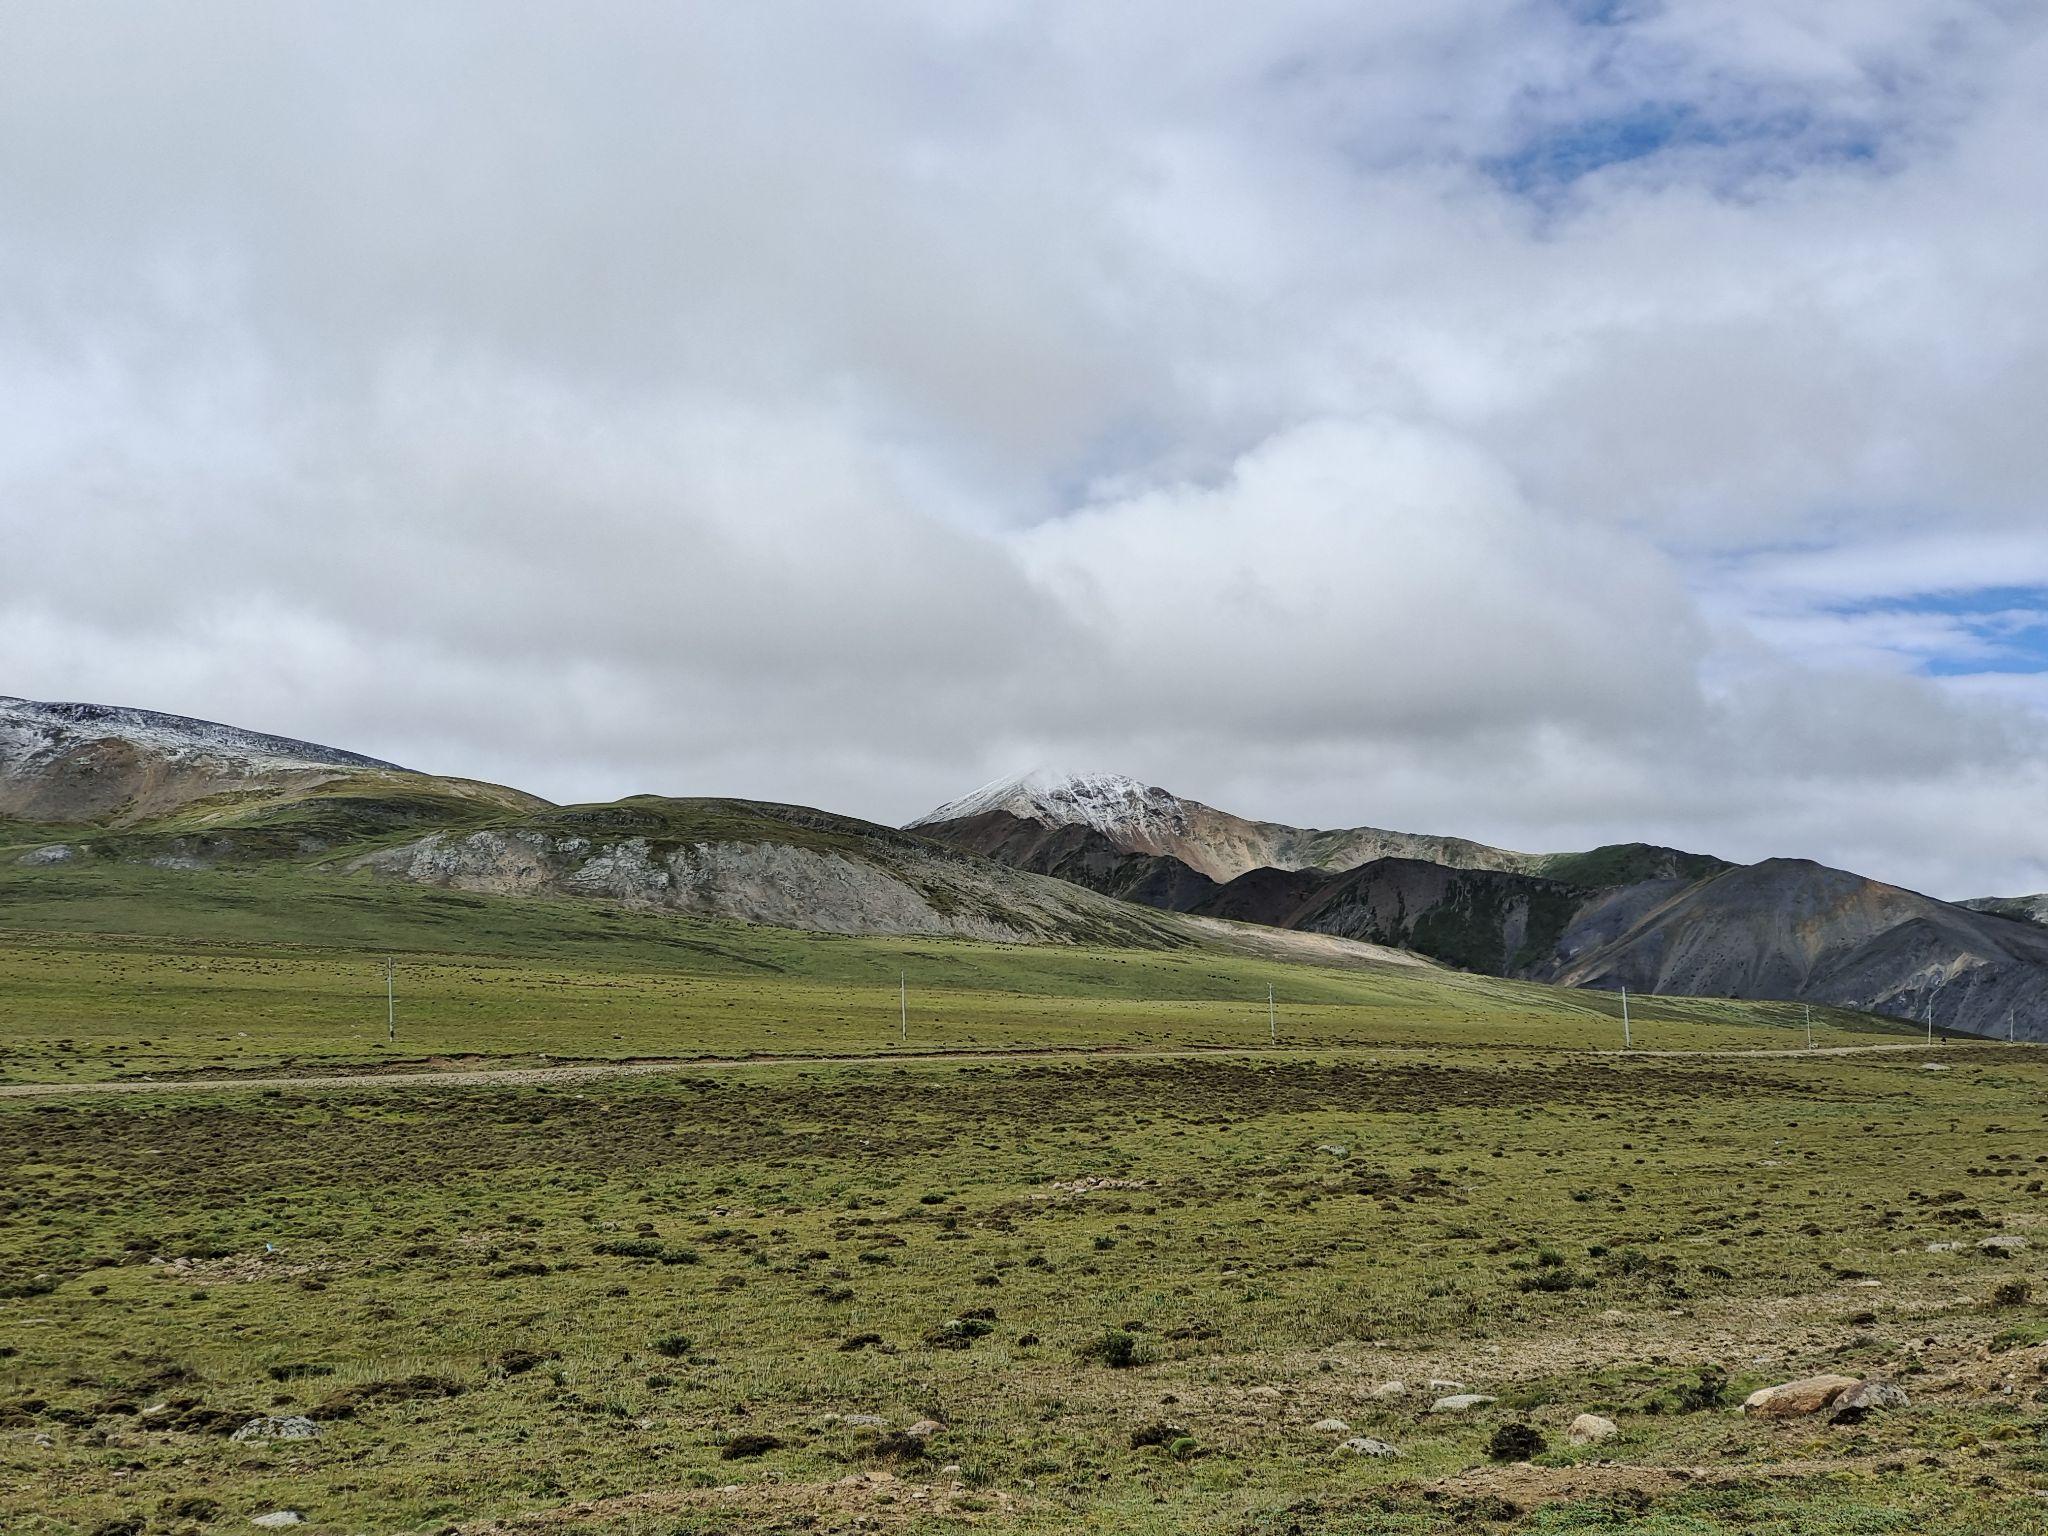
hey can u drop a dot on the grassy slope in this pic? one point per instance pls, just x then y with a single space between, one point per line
114 969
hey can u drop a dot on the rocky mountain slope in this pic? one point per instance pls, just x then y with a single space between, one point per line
1793 928
1136 818
93 762
2025 909
81 784
1636 915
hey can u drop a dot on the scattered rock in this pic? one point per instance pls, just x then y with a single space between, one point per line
1266 1394
1591 1429
924 1429
278 1427
1333 1149
1330 1427
1388 1390
1866 1398
857 1420
1439 1384
1365 1445
1944 1247
1458 1402
2002 1242
1809 1394
278 1519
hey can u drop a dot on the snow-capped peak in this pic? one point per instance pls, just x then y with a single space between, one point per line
1109 802
31 732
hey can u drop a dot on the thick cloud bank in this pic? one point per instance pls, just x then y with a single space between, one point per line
1547 422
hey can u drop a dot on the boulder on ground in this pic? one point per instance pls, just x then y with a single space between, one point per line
1458 1402
1865 1398
924 1429
278 1519
1809 1394
2002 1242
1365 1445
1591 1429
1330 1427
278 1427
1388 1390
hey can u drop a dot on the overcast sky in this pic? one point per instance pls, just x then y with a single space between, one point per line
1551 422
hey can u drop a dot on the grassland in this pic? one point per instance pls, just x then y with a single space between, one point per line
1125 1290
122 970
560 1310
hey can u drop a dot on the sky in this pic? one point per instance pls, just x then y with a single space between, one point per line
1552 422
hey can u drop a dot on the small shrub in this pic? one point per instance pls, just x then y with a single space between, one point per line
2013 1293
1554 1280
1157 1433
895 1445
1116 1348
1516 1442
959 1332
296 1372
742 1447
629 1248
1707 1391
671 1346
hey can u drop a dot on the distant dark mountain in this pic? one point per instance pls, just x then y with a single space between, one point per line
1650 918
1792 928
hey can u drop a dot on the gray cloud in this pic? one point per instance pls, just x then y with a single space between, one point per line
1475 417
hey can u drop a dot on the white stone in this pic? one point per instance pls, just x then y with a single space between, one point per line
1460 1401
1591 1429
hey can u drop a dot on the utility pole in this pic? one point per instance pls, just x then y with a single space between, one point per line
1809 1024
2012 1028
1272 1017
390 1001
1627 1040
903 1016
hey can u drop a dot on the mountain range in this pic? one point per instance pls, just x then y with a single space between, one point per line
1042 858
1633 915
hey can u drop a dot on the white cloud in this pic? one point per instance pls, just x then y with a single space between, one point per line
846 405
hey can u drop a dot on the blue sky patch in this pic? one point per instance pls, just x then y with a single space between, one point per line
2008 627
1556 156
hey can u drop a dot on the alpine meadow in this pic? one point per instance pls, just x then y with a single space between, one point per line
913 768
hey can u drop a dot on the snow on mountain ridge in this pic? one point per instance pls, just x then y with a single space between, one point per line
1112 803
32 732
